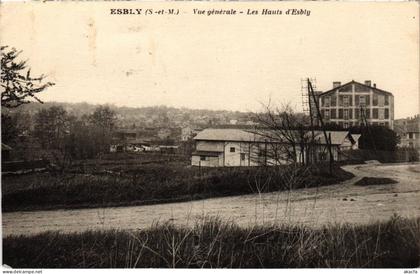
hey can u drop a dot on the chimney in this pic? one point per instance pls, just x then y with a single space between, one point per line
336 84
368 83
374 85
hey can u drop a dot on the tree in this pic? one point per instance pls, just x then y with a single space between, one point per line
102 123
9 130
14 126
81 143
51 126
376 137
17 85
103 117
286 134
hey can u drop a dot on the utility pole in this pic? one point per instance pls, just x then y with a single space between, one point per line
318 112
312 143
307 106
365 123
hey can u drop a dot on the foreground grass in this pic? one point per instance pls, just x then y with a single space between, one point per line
119 184
214 244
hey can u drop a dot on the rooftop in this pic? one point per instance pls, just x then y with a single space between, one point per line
243 135
354 82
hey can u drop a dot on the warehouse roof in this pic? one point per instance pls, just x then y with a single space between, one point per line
241 135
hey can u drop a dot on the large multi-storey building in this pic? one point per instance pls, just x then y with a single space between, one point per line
355 103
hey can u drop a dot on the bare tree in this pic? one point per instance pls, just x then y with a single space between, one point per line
17 85
285 136
51 129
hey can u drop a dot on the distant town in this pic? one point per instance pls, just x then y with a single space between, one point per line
172 130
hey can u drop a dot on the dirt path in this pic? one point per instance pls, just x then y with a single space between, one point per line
341 203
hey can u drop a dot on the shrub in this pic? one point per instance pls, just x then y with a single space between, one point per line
367 181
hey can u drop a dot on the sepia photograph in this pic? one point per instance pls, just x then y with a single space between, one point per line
208 134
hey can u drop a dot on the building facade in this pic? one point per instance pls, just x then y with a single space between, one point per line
239 147
354 104
408 130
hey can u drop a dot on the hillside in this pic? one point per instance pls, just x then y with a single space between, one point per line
147 116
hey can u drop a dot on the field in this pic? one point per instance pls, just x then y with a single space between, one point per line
362 216
215 244
314 207
127 179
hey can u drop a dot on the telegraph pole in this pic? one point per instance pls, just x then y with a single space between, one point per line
318 112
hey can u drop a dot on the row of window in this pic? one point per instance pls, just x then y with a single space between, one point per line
411 135
350 124
360 100
347 114
243 155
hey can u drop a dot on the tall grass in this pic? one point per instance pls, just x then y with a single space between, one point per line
216 244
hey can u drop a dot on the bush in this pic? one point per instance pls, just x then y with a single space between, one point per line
376 138
368 181
399 155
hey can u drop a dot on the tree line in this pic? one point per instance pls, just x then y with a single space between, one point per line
63 135
57 131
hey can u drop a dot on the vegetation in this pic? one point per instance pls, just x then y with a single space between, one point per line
215 244
17 85
374 137
377 138
383 156
151 179
368 181
153 116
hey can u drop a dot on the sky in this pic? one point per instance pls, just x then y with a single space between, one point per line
215 62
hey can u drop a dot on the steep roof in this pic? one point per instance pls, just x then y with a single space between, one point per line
241 135
356 137
354 82
337 137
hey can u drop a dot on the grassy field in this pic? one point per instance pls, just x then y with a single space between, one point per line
214 244
128 181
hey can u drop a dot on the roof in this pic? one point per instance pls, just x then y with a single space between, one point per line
354 82
226 134
241 135
356 137
337 137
